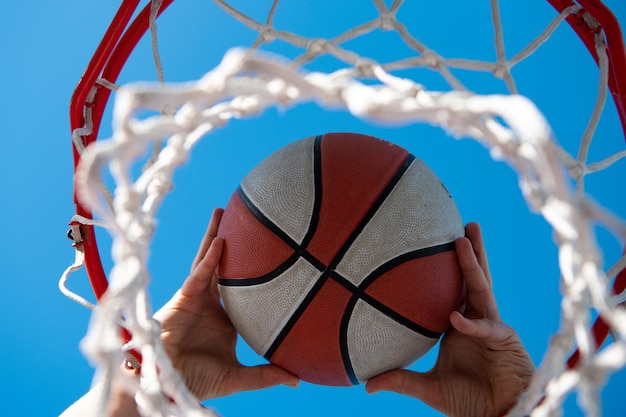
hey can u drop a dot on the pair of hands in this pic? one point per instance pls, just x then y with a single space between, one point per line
481 369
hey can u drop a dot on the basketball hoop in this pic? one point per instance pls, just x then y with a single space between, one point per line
246 82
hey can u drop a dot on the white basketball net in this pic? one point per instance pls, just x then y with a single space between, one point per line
247 82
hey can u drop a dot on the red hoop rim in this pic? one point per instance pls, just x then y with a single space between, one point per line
120 40
616 50
107 63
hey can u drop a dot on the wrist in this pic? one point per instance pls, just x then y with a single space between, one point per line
122 401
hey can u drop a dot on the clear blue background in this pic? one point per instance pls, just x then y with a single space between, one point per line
46 46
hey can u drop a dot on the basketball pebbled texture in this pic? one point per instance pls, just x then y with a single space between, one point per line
339 259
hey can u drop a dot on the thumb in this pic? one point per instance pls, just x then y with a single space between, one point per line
250 378
421 386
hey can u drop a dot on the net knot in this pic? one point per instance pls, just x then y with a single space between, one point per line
577 169
267 34
431 59
127 200
317 46
583 17
500 70
363 67
387 21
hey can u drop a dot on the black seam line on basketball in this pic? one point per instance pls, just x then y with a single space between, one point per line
295 317
400 259
372 211
358 292
343 340
279 233
262 279
389 265
317 191
397 317
258 214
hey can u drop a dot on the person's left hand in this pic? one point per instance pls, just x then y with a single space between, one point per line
199 337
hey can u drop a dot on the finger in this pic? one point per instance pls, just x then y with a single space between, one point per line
200 278
209 235
258 377
475 235
422 386
489 330
480 298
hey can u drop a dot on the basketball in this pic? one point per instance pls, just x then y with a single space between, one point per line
339 259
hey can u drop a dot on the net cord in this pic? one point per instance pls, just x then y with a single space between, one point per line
118 56
538 171
250 99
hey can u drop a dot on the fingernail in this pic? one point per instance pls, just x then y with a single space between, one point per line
370 390
293 384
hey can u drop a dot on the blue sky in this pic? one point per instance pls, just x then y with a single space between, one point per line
46 46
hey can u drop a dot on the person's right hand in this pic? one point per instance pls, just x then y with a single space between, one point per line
482 366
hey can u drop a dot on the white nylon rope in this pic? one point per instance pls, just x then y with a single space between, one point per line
246 83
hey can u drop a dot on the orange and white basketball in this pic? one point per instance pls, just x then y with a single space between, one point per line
339 259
